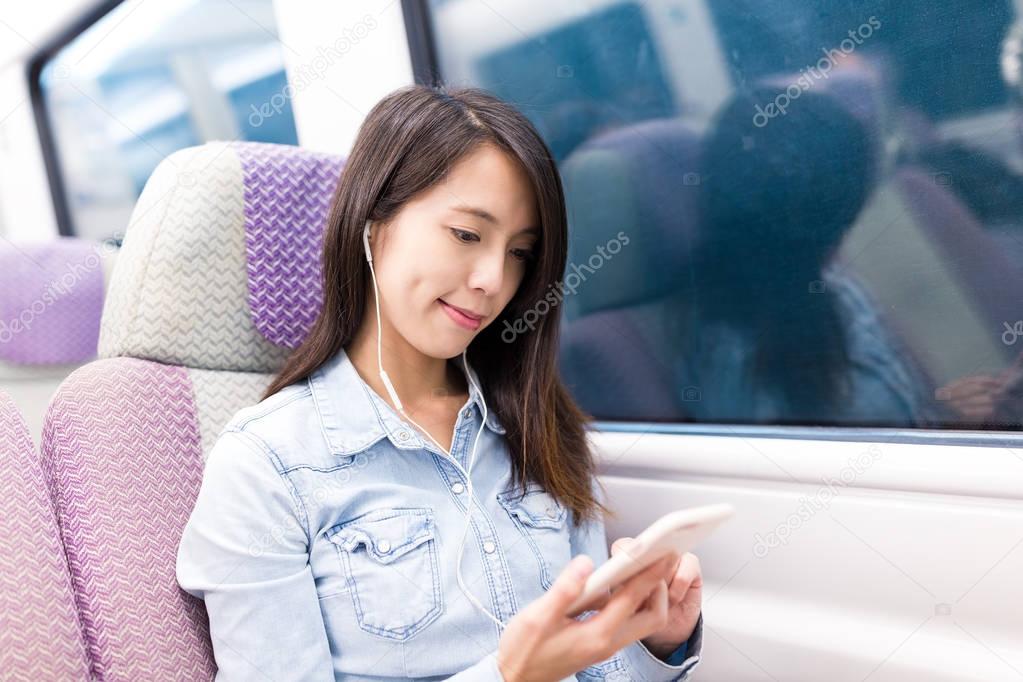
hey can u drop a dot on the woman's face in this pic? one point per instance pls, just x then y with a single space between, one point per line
463 243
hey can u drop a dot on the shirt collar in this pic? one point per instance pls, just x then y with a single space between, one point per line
353 417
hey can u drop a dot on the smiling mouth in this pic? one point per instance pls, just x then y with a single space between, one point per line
460 318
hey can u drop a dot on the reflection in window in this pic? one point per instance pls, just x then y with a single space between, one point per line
150 78
795 212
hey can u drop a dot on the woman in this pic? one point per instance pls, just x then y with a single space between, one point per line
330 539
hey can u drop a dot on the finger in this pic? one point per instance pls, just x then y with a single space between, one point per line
981 392
975 411
982 379
651 617
553 605
676 563
978 406
628 597
979 378
974 392
687 575
621 545
972 385
599 603
977 397
624 553
672 562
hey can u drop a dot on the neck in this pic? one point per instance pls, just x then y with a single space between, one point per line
418 378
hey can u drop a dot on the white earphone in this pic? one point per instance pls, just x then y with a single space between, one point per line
397 403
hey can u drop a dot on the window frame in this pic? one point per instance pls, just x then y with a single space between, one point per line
422 42
44 125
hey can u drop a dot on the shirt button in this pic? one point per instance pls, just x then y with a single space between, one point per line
403 435
384 546
458 488
489 547
467 412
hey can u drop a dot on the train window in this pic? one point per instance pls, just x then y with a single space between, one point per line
146 80
786 213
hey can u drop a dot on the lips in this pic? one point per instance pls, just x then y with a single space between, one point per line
460 317
471 315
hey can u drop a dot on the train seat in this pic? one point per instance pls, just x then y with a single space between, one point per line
51 297
218 279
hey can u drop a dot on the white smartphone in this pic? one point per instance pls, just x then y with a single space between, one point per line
678 531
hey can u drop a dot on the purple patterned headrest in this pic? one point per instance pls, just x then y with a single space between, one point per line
220 266
287 196
51 297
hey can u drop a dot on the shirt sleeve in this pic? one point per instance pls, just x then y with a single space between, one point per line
244 551
635 660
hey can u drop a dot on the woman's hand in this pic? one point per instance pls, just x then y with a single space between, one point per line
542 644
685 600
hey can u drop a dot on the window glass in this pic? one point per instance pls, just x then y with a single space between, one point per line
150 78
790 212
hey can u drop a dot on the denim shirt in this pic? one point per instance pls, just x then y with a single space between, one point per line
326 530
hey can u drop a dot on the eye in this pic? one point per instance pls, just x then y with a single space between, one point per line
466 237
461 235
524 255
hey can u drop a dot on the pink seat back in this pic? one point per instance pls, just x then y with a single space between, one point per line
40 636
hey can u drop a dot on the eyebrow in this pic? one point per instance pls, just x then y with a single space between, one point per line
489 217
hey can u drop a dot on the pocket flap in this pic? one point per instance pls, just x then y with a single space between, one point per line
386 534
536 508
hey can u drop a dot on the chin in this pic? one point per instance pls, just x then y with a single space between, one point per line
455 351
442 346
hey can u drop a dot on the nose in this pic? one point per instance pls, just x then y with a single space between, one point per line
488 272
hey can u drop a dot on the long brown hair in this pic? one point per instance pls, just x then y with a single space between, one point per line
409 142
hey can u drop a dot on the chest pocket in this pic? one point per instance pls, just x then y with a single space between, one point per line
389 558
543 521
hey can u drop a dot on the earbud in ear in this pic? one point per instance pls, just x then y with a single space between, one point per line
365 241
